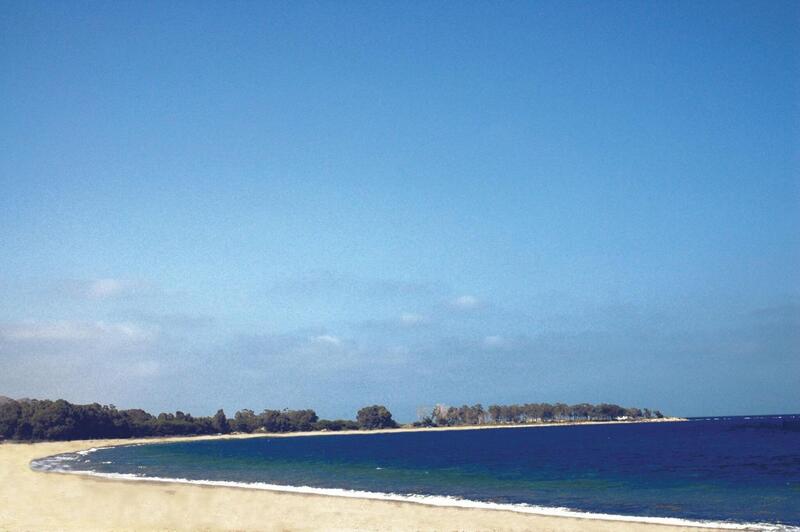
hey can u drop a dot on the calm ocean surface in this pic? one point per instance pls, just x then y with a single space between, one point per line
736 469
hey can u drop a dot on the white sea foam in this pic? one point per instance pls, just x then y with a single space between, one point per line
92 450
52 464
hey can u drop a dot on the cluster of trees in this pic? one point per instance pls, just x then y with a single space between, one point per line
375 417
32 419
287 421
444 416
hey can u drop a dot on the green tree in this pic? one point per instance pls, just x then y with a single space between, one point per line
301 420
9 417
375 417
220 423
245 421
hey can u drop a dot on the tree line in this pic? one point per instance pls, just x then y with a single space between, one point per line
444 416
33 420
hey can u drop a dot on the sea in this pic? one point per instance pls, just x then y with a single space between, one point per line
739 472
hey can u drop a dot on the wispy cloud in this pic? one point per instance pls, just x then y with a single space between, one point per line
74 331
172 321
302 354
495 342
327 339
81 360
145 368
466 302
104 288
411 318
325 282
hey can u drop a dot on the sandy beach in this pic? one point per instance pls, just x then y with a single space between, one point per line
31 500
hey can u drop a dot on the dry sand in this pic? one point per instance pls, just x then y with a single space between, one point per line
39 501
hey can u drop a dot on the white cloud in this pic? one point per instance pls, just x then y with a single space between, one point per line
108 288
328 339
322 355
409 318
396 355
329 283
466 302
78 360
101 289
73 331
495 342
145 368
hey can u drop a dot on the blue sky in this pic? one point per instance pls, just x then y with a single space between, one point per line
329 205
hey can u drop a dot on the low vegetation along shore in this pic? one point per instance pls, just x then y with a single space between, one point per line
37 420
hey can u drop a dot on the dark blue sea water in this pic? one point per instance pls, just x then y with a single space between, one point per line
738 469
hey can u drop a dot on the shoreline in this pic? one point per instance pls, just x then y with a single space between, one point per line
407 428
435 501
400 429
226 506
